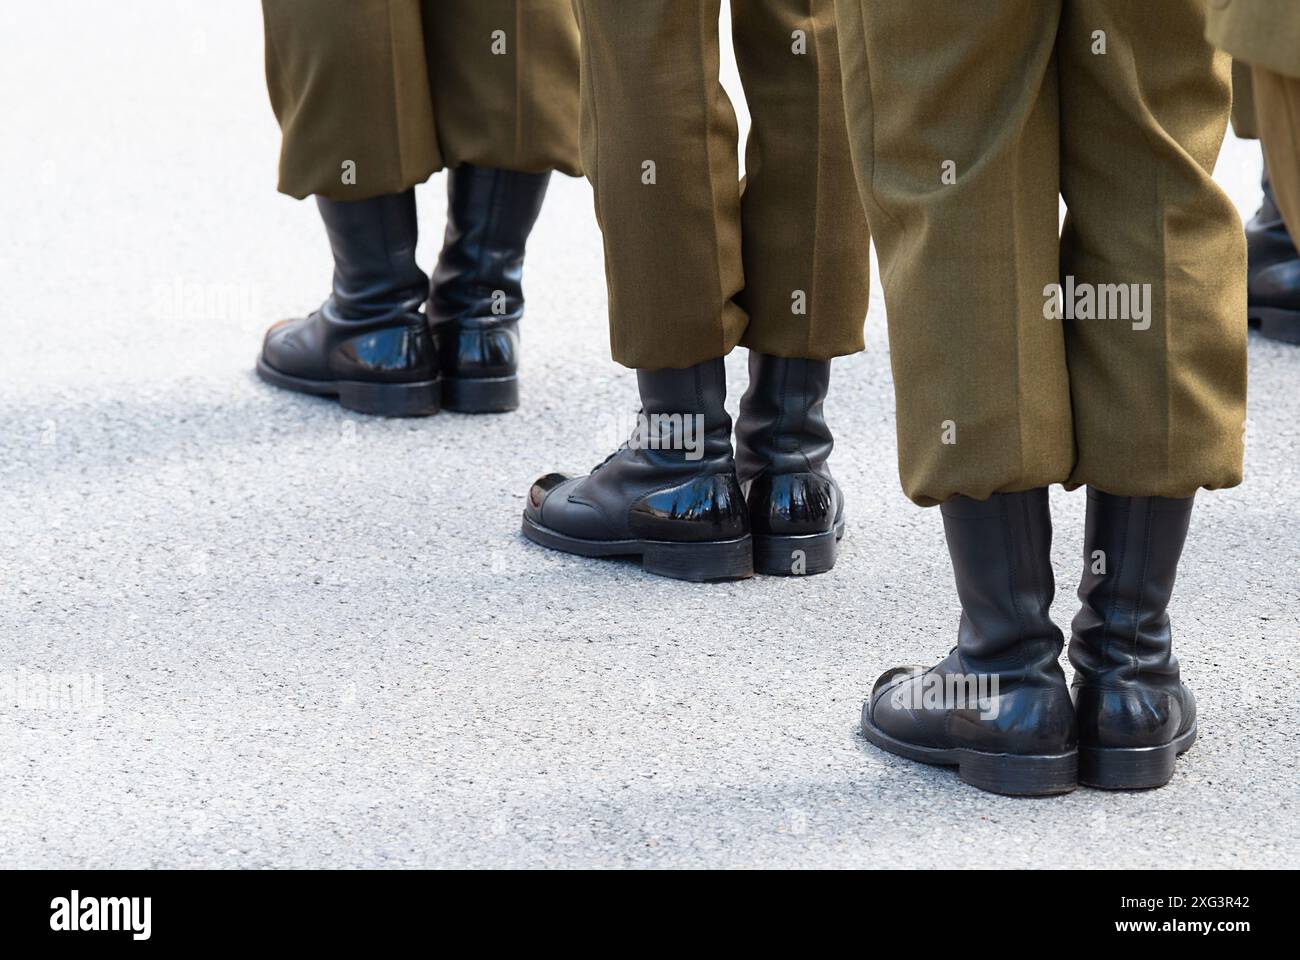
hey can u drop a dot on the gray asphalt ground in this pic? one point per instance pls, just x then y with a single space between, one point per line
298 637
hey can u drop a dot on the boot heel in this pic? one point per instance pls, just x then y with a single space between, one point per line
391 399
483 395
1020 776
711 560
1132 768
795 556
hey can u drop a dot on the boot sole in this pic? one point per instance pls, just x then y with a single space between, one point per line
480 395
1276 323
698 562
1132 768
777 556
1010 774
418 399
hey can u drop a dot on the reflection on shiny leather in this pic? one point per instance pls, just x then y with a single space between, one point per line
469 349
398 350
706 508
799 503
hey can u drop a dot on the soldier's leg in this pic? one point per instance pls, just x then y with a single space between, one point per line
1278 105
953 121
504 82
1272 264
952 116
1244 121
1159 394
659 144
348 83
807 265
1158 376
1275 285
804 237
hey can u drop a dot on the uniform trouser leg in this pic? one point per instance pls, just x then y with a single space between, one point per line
964 128
1159 403
504 77
1244 122
374 96
953 122
695 265
1278 107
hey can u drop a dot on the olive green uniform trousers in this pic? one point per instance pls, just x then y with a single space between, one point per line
697 262
1277 106
1244 123
967 120
1265 35
375 96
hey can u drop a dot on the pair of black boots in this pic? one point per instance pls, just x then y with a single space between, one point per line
676 496
1273 275
371 346
998 707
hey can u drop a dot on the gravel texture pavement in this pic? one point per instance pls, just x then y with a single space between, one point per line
283 635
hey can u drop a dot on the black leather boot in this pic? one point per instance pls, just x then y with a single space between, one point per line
369 344
997 708
669 494
477 297
1273 274
1135 714
796 510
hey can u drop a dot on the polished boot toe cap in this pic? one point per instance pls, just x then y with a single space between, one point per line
541 489
898 716
291 346
885 683
892 678
551 506
280 328
284 334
